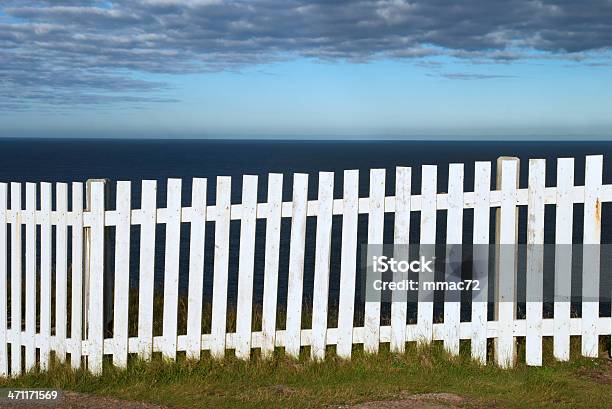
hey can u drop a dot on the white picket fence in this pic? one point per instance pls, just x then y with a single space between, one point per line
34 330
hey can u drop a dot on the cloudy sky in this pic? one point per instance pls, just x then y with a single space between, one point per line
321 68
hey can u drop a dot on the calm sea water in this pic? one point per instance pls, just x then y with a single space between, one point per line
70 160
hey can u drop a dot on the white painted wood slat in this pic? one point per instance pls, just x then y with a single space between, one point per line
480 255
564 221
429 182
171 269
401 240
96 280
246 267
222 231
270 290
296 266
76 326
30 276
45 273
122 273
376 222
454 233
61 267
322 260
348 266
16 265
506 286
591 255
535 262
196 269
4 365
147 268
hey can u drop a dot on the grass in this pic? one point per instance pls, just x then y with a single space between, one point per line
281 382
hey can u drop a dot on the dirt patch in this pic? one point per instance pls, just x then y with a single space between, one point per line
421 401
71 400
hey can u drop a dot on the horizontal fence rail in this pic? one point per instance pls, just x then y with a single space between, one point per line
58 299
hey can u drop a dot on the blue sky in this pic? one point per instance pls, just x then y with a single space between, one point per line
172 68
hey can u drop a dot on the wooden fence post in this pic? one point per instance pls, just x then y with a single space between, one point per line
506 238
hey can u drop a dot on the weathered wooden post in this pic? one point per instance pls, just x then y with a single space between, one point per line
506 239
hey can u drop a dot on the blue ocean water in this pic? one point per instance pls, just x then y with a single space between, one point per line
68 160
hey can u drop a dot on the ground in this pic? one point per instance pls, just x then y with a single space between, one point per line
420 379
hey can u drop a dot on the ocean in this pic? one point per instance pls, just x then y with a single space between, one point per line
68 160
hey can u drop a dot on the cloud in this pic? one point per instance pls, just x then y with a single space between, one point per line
472 76
72 47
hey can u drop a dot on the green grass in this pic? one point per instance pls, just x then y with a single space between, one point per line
281 382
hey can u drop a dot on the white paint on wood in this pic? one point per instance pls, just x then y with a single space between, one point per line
591 255
30 276
348 263
196 269
76 326
16 266
147 268
482 188
505 350
122 273
454 232
401 239
322 260
376 221
171 269
429 183
61 277
222 230
246 267
4 365
96 280
45 273
564 221
535 262
270 290
296 265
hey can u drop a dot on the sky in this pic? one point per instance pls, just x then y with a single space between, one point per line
306 69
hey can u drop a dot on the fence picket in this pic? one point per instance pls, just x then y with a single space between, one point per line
61 259
147 268
96 280
563 258
348 266
591 257
454 233
401 237
424 329
76 323
322 259
376 222
45 273
535 262
171 269
30 276
296 266
222 230
196 268
246 266
270 290
4 365
122 273
480 255
16 280
505 350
